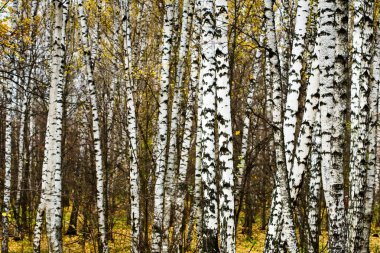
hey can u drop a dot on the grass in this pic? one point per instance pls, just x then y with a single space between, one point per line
121 241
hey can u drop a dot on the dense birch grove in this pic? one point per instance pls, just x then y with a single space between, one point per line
190 126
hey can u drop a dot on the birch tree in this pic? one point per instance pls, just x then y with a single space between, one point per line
175 116
161 139
181 185
341 83
304 140
50 202
95 125
314 188
373 144
210 198
10 100
9 96
281 192
291 108
21 160
128 111
331 176
296 163
185 152
196 211
223 105
283 26
132 131
361 55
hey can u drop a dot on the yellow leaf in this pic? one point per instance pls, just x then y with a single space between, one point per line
237 132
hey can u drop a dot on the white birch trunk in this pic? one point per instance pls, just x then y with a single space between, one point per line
195 219
273 233
132 132
10 104
210 219
331 177
223 105
198 173
114 81
282 186
173 126
96 128
296 162
338 123
361 41
300 159
196 208
56 246
373 143
291 109
161 140
376 83
305 134
282 24
341 82
142 33
45 188
50 202
21 162
181 185
377 172
314 188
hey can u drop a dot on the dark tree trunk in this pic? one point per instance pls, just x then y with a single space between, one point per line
72 229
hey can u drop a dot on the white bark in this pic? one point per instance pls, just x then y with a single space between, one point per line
361 55
45 189
181 185
132 132
305 133
281 193
161 140
300 159
375 128
273 234
96 128
173 126
291 109
10 103
210 219
314 189
114 81
142 32
331 177
21 161
282 24
198 170
341 84
196 208
50 202
372 146
56 246
223 105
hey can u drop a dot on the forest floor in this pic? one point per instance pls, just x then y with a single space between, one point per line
75 244
121 241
